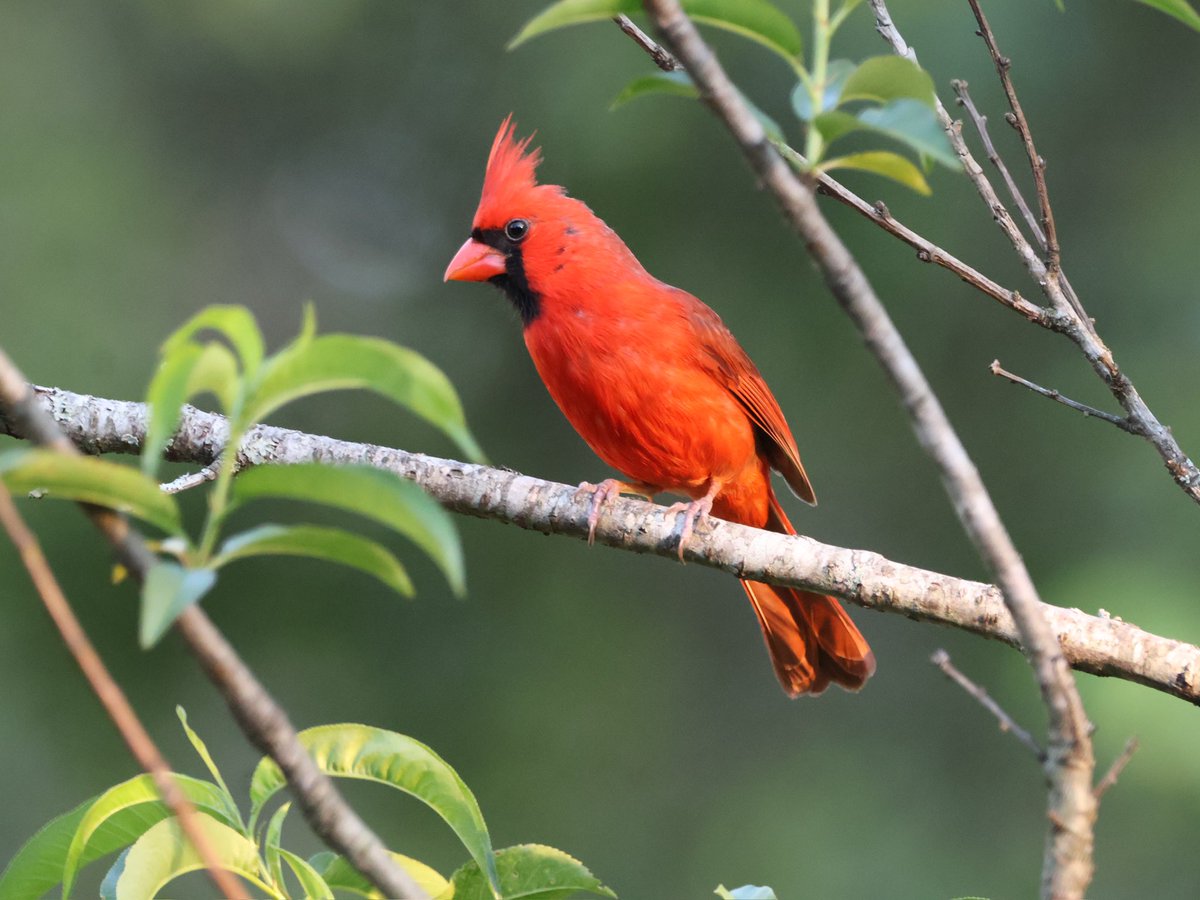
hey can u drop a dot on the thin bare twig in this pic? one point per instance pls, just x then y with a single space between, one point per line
1021 124
191 480
1100 645
662 57
941 659
262 719
1117 767
1121 422
110 695
1069 758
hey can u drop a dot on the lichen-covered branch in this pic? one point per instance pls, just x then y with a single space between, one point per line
1100 645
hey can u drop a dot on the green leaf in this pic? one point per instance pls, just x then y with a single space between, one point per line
341 876
382 496
674 84
233 814
168 590
270 842
90 480
313 885
836 74
235 323
757 20
163 853
315 542
342 362
914 124
885 78
374 754
881 162
835 124
1178 9
137 795
165 396
528 871
38 866
745 892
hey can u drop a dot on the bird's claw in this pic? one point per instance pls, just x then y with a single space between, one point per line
601 494
691 513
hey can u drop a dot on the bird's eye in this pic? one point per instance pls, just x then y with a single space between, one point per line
516 229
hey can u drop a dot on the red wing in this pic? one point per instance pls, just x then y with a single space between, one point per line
733 368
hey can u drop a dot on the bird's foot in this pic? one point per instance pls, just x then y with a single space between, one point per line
609 489
691 513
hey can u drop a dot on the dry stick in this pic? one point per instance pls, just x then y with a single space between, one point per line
1068 866
1100 645
262 720
1019 122
111 697
1118 766
941 659
1062 317
662 57
1120 422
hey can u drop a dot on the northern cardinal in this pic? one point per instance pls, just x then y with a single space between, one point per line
657 386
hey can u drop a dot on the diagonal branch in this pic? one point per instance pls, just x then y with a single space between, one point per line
1070 762
261 718
1000 372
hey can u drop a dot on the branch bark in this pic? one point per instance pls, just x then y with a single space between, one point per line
1099 645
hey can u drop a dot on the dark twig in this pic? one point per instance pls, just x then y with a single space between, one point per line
110 695
980 121
263 720
1117 767
941 659
1123 423
1018 121
662 57
1069 759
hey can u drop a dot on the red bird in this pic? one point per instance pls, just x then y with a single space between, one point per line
658 387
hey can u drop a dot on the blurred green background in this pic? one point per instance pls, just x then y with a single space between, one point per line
160 157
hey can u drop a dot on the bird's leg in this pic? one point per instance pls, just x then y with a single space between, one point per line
607 490
694 512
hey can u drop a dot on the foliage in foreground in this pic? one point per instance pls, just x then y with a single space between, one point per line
130 818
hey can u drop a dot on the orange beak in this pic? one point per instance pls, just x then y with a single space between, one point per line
475 261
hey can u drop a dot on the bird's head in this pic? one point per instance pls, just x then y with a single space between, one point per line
531 239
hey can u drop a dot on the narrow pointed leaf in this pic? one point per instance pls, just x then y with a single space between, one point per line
90 480
1178 9
755 19
315 542
163 853
381 496
168 590
885 78
234 816
235 323
137 804
270 842
108 887
311 882
166 396
745 892
672 84
341 876
528 871
342 362
889 165
374 754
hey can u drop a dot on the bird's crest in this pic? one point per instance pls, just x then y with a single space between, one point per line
510 171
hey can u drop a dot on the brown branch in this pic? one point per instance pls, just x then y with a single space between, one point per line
1020 123
941 659
1100 645
1065 315
110 695
1117 767
262 720
662 57
1069 758
1122 423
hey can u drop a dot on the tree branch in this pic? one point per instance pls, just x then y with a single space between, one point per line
941 659
1000 372
1099 645
1069 759
262 720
